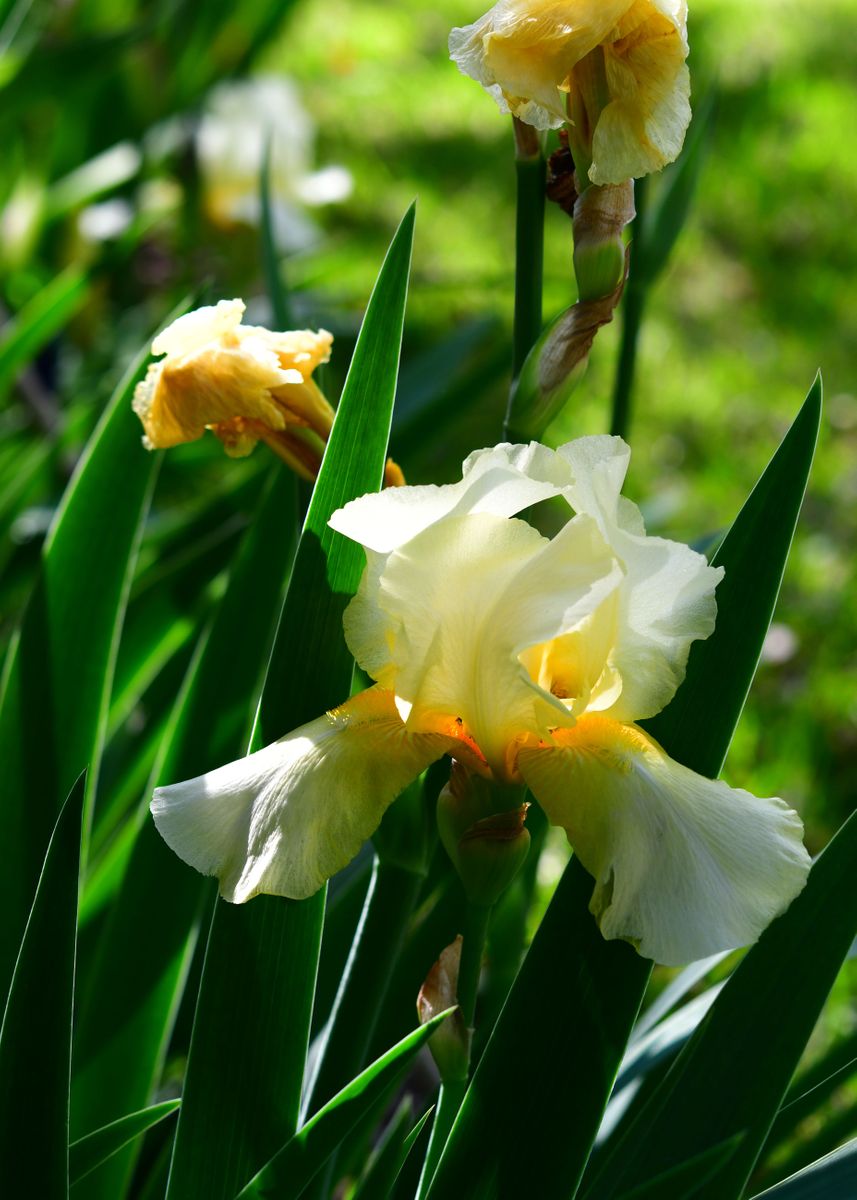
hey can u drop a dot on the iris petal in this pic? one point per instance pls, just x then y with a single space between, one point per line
283 820
684 866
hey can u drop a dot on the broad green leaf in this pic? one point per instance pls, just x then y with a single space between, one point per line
292 1168
30 330
35 1039
577 995
734 1072
754 553
59 671
248 1049
129 1003
833 1177
91 1151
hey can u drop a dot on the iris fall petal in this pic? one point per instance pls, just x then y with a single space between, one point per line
684 866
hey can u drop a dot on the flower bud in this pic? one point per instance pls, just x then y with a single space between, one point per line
555 366
481 825
450 1044
600 215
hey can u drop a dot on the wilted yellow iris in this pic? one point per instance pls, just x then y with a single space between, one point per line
615 69
530 660
243 382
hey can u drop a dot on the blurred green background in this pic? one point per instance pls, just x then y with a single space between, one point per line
114 204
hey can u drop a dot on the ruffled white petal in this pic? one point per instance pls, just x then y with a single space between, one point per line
666 601
283 820
684 866
501 480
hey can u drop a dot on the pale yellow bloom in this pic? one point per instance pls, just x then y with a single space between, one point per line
241 119
614 68
243 382
530 660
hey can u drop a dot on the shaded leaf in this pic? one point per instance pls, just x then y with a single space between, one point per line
292 1168
35 1039
91 1151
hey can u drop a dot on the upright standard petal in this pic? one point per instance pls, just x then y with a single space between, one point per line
283 820
684 866
444 621
501 480
667 599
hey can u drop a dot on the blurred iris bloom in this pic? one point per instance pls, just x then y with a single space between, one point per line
529 660
243 117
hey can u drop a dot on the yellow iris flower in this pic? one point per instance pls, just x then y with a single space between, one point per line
614 68
243 382
529 659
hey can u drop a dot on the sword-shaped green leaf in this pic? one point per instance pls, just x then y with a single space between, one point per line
251 1029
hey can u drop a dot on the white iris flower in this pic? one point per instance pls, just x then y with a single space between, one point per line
530 659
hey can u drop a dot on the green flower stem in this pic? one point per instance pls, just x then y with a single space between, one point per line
633 303
529 241
389 903
632 318
476 919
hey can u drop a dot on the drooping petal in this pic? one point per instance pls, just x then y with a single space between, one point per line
283 820
501 480
643 127
684 866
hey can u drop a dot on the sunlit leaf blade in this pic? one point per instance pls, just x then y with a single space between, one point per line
35 1039
246 1065
291 1169
576 995
91 1151
129 1003
38 321
58 677
833 1177
734 1072
754 554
